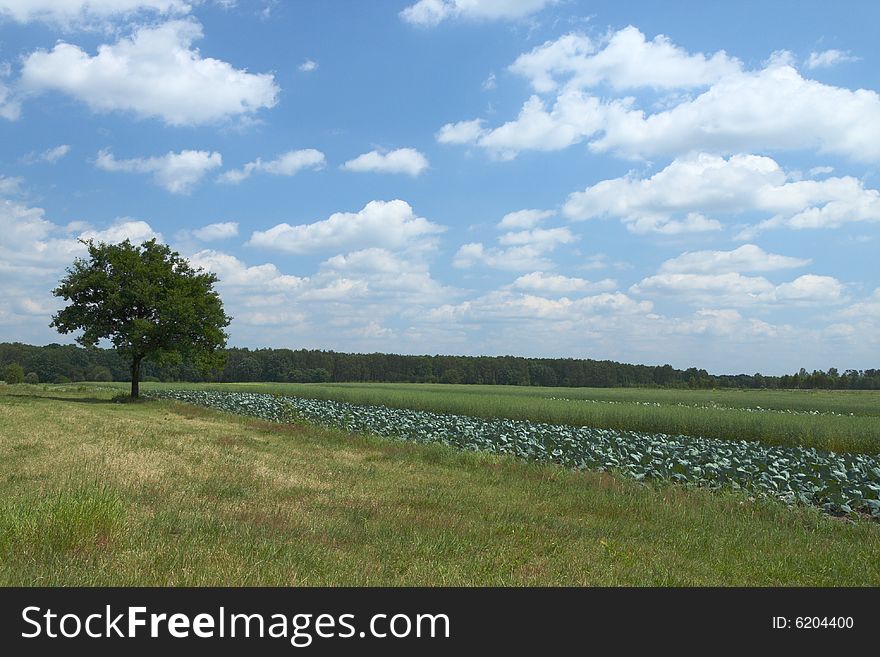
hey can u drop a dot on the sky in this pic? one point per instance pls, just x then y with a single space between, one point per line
681 182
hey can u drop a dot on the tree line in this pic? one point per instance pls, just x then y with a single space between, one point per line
56 363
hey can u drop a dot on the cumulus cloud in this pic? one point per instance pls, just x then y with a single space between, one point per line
524 219
384 224
506 305
123 229
828 58
572 117
156 73
428 13
735 289
52 155
10 185
403 160
774 108
462 132
176 172
286 164
731 186
746 258
308 66
625 60
10 107
219 231
358 294
233 272
34 245
539 281
770 108
519 250
70 13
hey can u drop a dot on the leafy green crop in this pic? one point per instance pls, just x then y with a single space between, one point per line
839 483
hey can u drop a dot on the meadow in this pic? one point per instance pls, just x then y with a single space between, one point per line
842 421
163 493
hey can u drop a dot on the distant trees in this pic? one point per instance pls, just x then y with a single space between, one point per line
32 378
148 301
13 373
56 363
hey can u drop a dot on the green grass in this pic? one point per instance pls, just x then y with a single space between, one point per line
97 493
680 411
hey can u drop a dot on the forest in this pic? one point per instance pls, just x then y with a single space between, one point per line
56 363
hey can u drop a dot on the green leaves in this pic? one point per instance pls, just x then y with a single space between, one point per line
838 483
147 300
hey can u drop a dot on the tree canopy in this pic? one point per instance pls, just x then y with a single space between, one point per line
148 301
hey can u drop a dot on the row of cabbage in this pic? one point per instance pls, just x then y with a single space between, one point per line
838 483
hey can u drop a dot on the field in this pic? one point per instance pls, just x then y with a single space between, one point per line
841 421
162 493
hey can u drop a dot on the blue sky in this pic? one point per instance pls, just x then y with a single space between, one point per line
683 182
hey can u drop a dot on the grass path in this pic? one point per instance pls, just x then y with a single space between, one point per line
96 493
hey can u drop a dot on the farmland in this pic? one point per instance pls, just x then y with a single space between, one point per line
164 493
841 421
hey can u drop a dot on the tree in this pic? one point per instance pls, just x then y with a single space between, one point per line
14 373
148 301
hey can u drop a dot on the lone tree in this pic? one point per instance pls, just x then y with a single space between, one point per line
148 301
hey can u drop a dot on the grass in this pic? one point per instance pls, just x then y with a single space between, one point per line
678 411
97 493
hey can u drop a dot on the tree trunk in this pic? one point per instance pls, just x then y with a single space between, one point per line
135 377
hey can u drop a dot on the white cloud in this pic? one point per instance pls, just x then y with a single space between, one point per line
232 272
734 289
52 155
428 13
542 237
771 108
821 170
463 132
524 218
154 73
539 281
10 107
34 246
811 289
737 185
286 164
774 108
403 160
385 224
506 305
308 66
829 58
218 231
349 293
84 12
746 258
520 250
176 172
124 229
387 275
573 116
10 185
722 322
489 83
625 60
866 309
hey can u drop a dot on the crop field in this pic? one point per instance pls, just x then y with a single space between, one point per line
167 493
838 483
841 421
